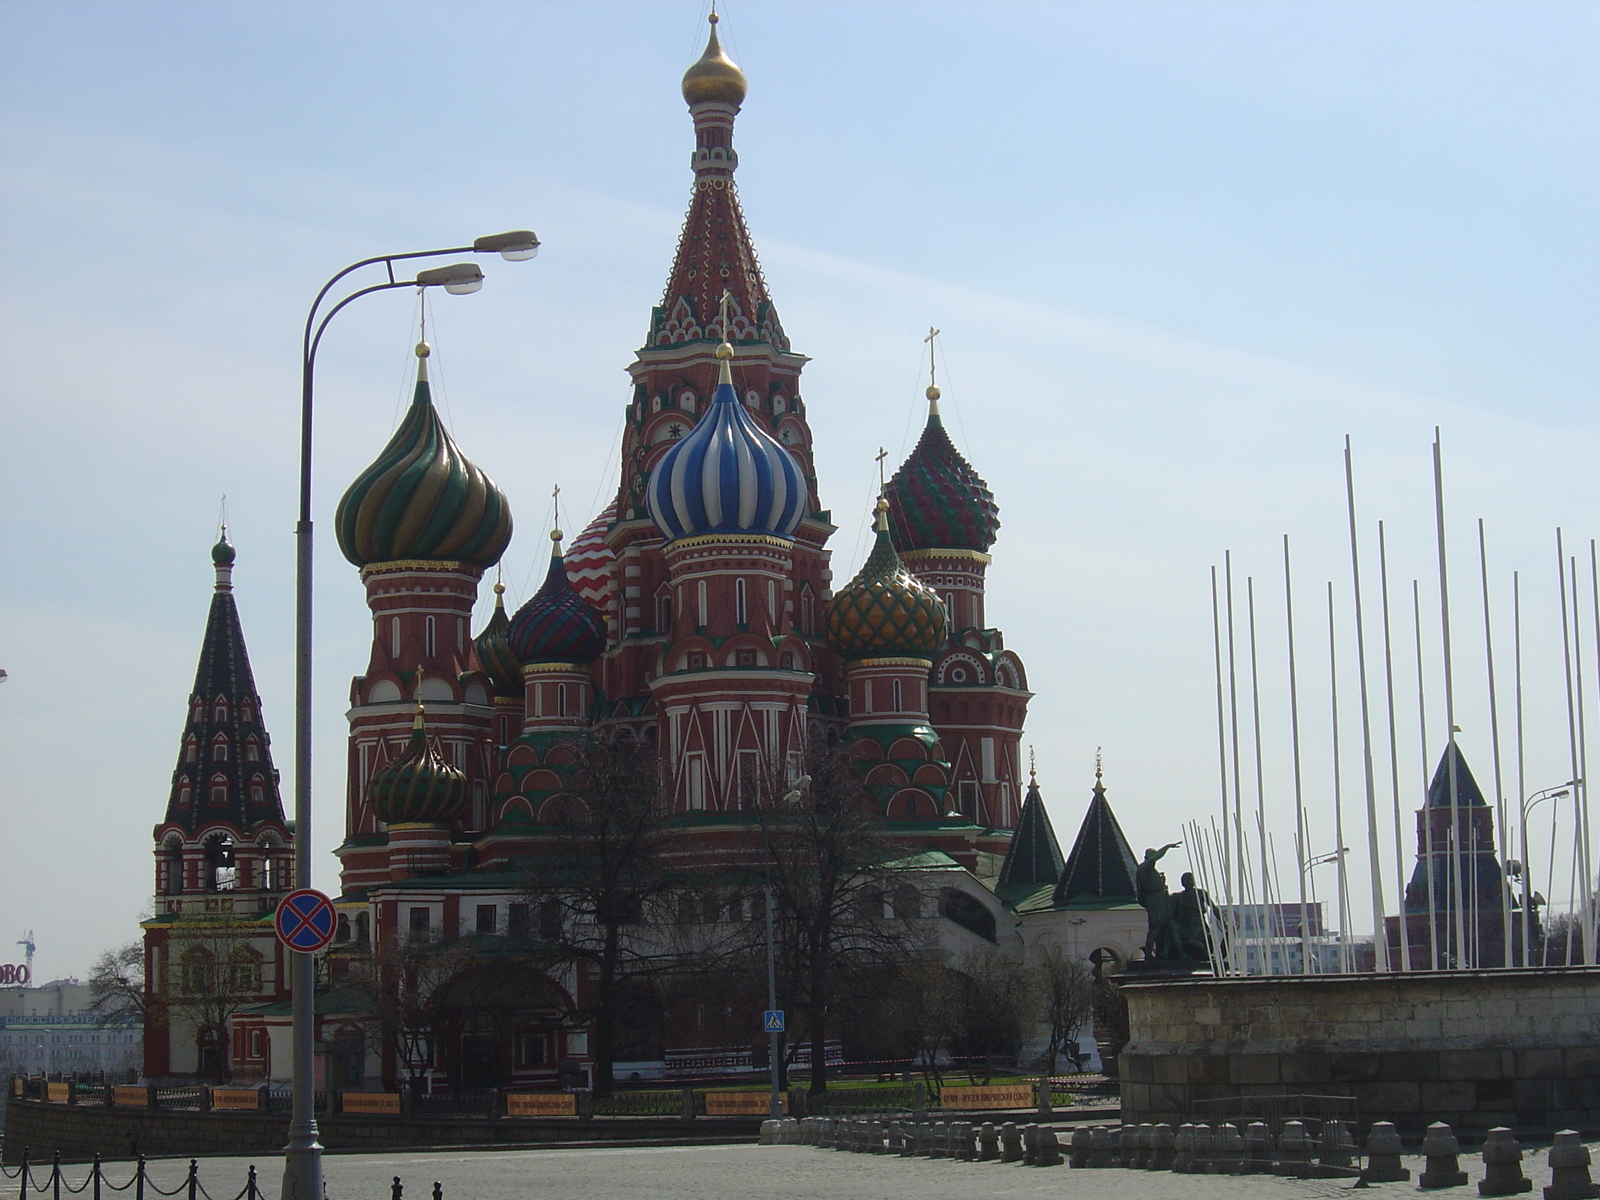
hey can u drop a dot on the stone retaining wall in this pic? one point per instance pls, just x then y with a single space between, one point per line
1471 1048
80 1131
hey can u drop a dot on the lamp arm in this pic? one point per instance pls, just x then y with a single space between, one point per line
389 260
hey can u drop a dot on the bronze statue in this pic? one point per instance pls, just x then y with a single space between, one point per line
1191 910
1161 935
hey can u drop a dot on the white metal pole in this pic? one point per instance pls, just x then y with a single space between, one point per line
1294 738
1522 774
1261 787
1222 714
1456 896
1338 799
1494 738
1574 740
1233 735
1580 789
1394 754
1426 815
1380 940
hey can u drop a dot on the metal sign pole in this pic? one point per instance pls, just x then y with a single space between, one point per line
776 1107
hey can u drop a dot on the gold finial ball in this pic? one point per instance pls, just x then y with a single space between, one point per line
724 351
556 535
713 18
499 589
882 506
932 393
423 349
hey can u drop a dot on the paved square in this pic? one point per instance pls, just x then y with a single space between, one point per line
775 1173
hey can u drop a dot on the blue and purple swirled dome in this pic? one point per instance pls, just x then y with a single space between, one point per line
557 624
727 475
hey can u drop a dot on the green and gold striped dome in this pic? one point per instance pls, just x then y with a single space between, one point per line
419 787
493 648
422 499
885 611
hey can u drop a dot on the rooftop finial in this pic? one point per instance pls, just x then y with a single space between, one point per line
423 349
880 456
724 351
881 523
1033 768
222 554
714 77
1097 766
933 375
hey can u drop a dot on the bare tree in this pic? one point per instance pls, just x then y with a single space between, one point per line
402 981
217 974
604 867
837 912
116 986
1065 987
998 1002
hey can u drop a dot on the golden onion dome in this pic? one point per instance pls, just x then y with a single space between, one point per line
419 787
714 78
885 611
423 499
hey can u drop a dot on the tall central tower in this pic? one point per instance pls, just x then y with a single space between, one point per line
715 609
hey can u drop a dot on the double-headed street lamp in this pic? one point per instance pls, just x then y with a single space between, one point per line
1524 807
302 1157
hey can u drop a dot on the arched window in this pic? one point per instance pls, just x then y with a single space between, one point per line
899 698
428 639
190 752
741 612
561 700
394 637
220 713
219 750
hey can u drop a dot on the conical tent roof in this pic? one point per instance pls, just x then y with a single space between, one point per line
1101 866
1034 858
1467 790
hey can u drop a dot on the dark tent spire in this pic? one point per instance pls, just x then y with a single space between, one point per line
1034 858
1101 866
1467 790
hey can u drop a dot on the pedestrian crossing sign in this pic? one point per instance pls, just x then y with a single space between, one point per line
772 1020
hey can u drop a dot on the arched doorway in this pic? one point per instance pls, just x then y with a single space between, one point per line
499 1023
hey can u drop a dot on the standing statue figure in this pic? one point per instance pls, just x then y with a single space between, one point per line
1161 935
1191 912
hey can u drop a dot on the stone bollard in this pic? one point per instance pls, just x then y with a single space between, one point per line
791 1131
1183 1149
1202 1149
1294 1151
1102 1147
1080 1148
1502 1165
1030 1144
1128 1146
1442 1150
1010 1142
988 1142
1048 1153
961 1139
1161 1148
1257 1148
1383 1155
769 1133
1334 1151
1232 1151
1569 1170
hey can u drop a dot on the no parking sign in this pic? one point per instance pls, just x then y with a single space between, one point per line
305 920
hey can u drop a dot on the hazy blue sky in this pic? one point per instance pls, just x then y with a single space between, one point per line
1178 251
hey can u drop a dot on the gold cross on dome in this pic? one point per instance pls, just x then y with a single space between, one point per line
881 455
932 369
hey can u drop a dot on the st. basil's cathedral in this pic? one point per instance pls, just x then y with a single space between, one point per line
698 613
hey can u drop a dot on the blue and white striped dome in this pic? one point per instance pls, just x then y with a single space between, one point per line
728 475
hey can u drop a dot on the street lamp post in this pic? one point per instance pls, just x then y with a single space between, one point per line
302 1156
1344 958
1526 805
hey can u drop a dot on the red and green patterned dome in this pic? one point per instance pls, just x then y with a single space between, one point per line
423 499
493 647
936 500
557 624
885 611
419 787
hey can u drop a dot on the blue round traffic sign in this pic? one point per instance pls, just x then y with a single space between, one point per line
305 920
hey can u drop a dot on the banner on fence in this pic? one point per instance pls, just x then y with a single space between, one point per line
381 1104
236 1099
741 1104
58 1093
541 1104
130 1097
1010 1095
